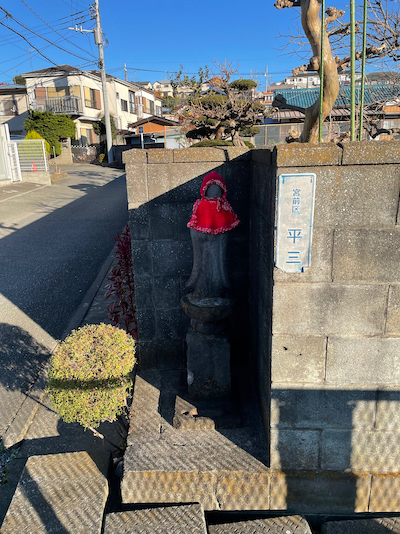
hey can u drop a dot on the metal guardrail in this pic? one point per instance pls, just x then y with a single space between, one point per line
32 155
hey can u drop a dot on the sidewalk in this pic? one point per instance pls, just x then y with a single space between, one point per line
36 428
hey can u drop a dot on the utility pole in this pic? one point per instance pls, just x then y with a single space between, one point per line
126 72
98 39
266 78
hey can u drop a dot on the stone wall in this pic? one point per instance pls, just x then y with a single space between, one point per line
162 187
84 154
324 344
327 341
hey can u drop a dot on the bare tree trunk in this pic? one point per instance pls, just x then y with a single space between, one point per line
220 131
236 139
312 28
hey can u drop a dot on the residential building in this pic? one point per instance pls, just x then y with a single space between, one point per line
13 107
144 85
157 132
383 78
382 102
163 88
311 79
65 89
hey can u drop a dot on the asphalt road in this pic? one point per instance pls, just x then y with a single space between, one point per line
53 242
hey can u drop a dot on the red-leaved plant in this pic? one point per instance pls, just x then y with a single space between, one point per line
122 287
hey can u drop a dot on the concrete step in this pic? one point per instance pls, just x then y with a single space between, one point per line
294 524
183 519
60 493
379 525
219 469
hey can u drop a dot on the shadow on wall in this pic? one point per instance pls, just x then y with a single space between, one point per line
335 451
162 262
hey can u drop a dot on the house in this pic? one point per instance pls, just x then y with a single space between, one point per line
13 108
66 89
152 124
163 88
383 78
381 102
144 85
311 79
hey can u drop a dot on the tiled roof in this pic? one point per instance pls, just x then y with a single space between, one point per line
50 71
306 97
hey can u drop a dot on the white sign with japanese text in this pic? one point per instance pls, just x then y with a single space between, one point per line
295 222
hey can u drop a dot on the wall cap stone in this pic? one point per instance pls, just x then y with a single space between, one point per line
160 155
306 155
135 155
371 152
187 155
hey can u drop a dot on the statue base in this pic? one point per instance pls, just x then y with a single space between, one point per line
205 415
208 366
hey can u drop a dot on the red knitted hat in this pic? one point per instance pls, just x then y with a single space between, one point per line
213 215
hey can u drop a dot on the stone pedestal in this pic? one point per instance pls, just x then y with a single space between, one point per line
208 366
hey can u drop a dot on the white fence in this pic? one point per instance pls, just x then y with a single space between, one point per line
12 161
32 155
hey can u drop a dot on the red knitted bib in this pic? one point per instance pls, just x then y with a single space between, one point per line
213 215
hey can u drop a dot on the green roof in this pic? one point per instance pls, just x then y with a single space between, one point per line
306 97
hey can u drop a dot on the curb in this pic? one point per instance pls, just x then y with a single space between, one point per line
19 426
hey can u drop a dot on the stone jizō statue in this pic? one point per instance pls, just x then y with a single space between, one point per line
208 303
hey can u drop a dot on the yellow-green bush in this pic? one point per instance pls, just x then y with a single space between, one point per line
89 374
34 135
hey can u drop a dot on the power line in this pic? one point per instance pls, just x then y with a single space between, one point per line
48 25
44 38
191 73
6 41
29 43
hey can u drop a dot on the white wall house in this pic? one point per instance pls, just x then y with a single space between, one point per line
311 79
77 93
164 88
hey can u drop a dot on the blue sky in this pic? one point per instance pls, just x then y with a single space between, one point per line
152 38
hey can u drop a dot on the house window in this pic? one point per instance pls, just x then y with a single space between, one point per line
152 107
158 111
132 107
124 105
117 96
92 98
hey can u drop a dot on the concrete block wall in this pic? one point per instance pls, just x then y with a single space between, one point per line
162 187
327 341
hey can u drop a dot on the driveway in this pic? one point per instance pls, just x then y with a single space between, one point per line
53 242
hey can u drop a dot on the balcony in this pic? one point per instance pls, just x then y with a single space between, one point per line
70 105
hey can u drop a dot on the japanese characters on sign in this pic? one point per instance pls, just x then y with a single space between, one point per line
295 222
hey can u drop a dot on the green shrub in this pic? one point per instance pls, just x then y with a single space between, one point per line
101 158
89 375
51 127
248 144
213 142
219 142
